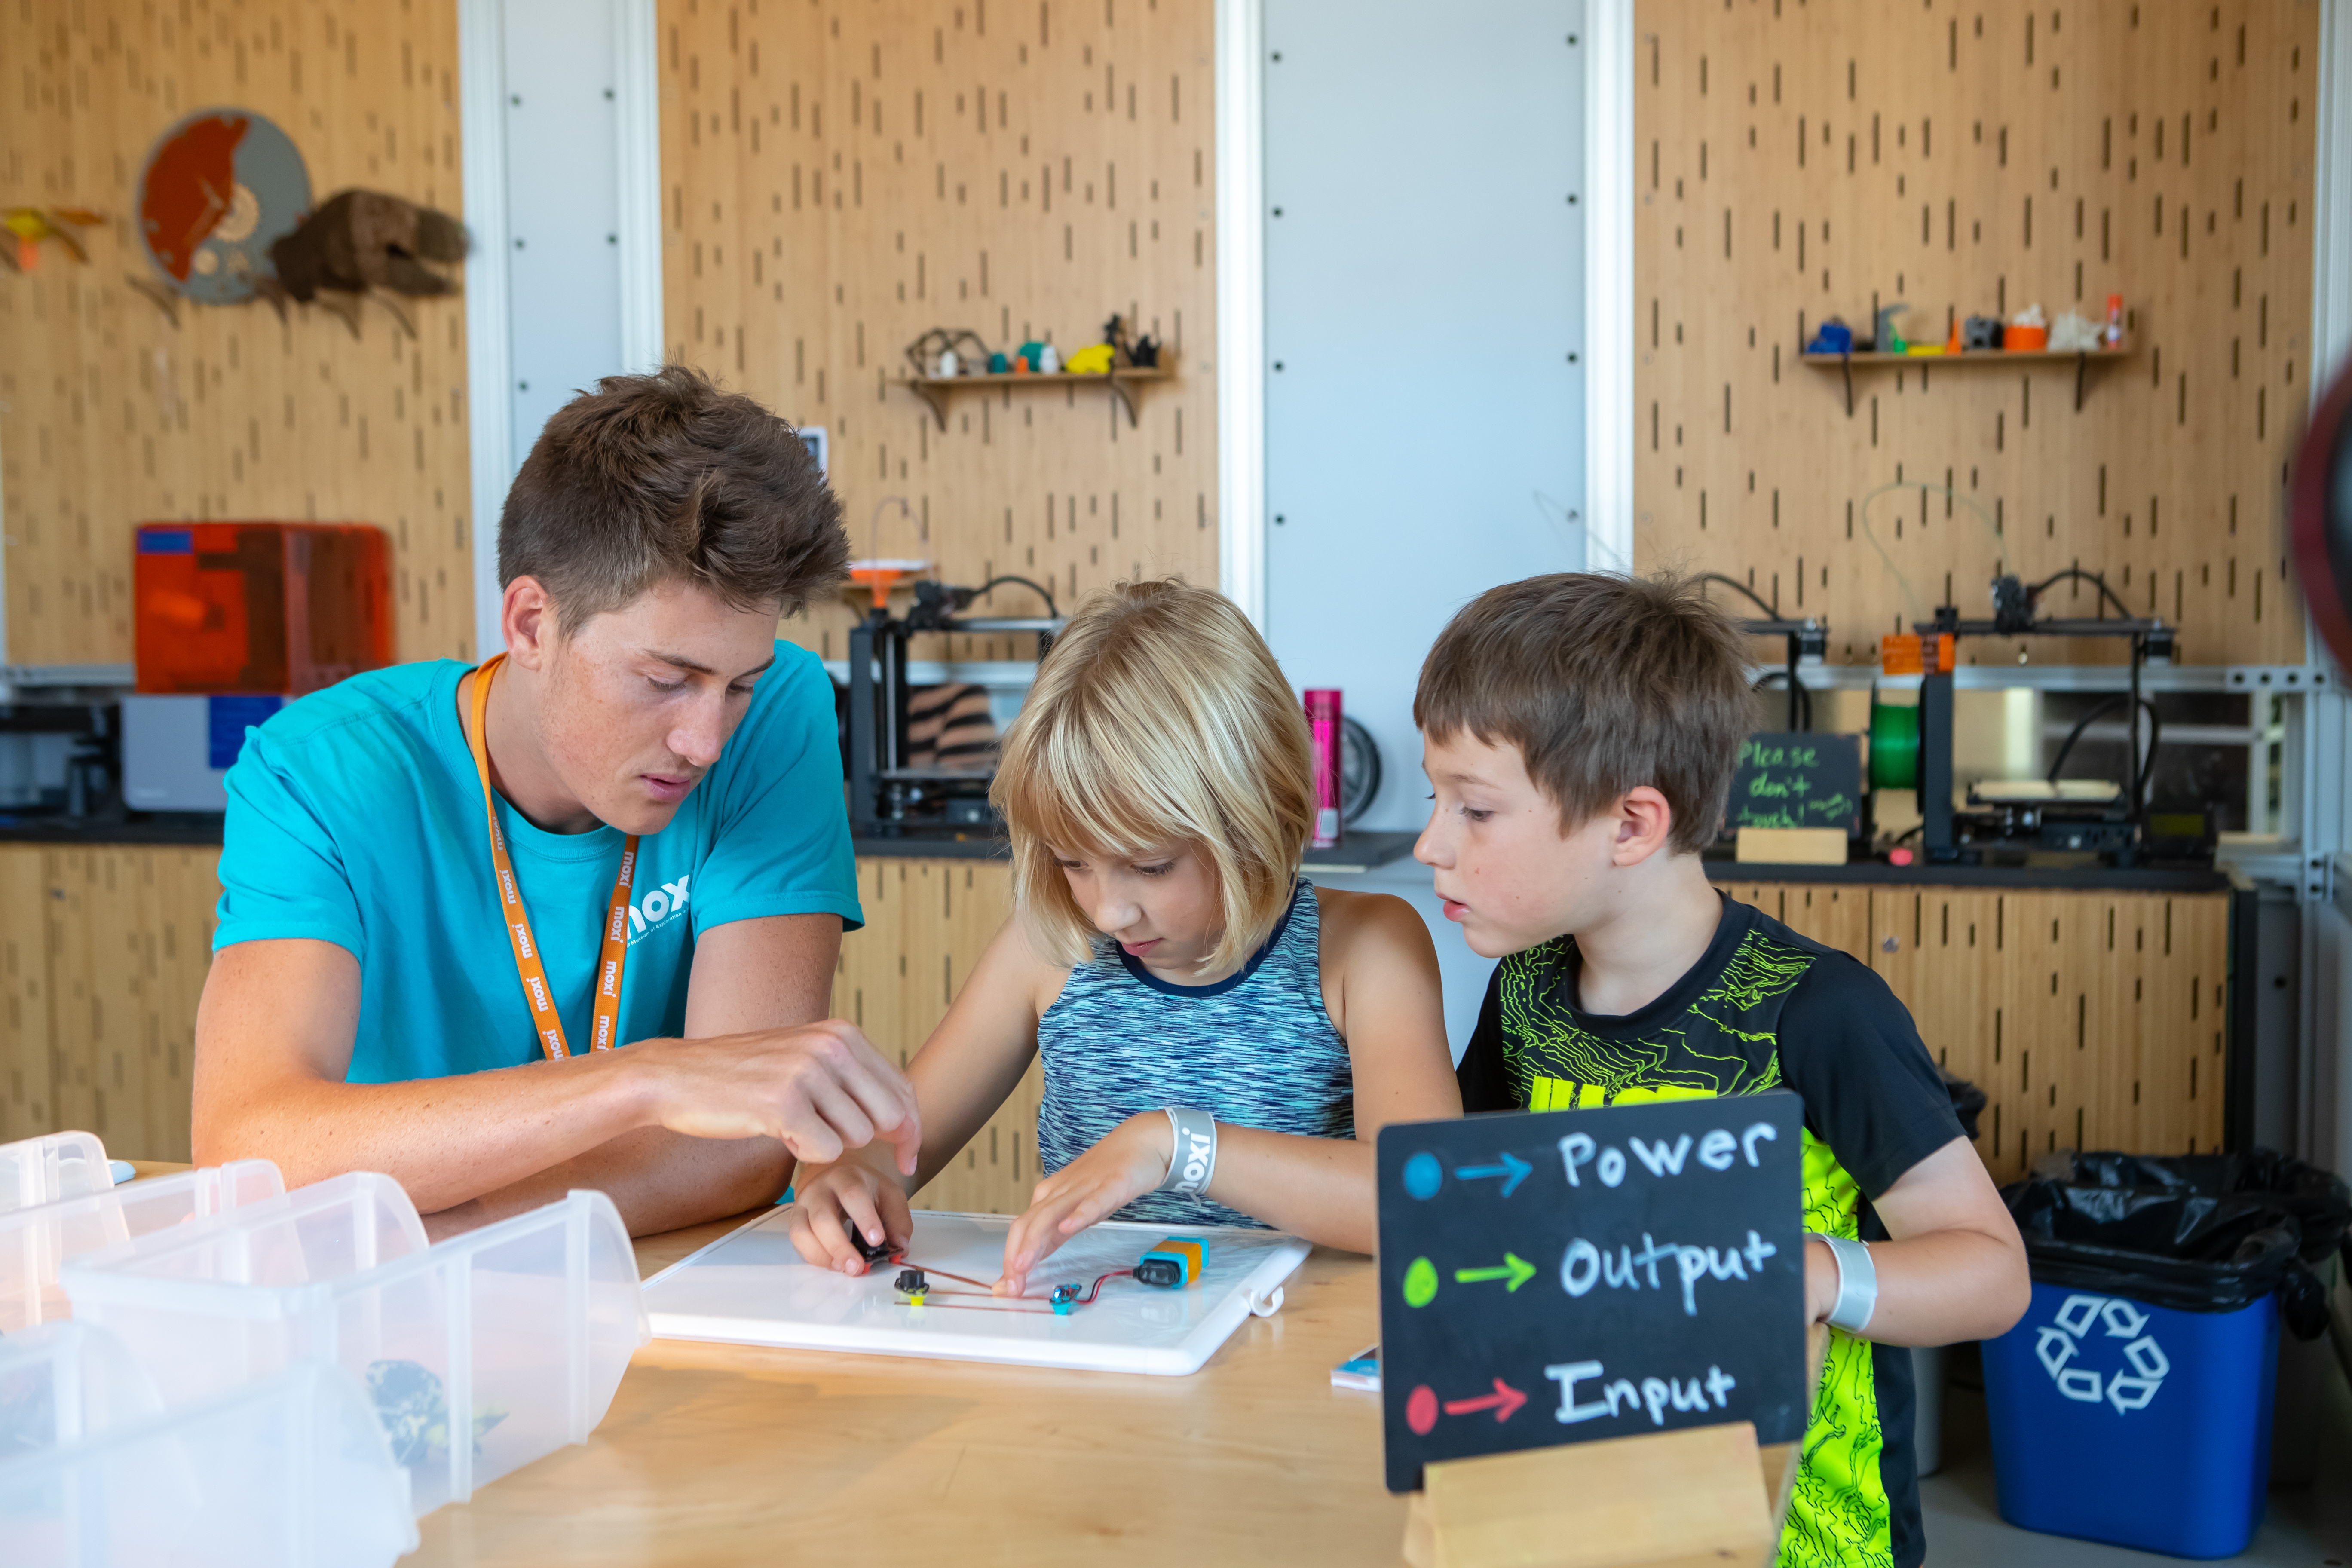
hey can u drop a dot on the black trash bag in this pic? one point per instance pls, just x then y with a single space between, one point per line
2178 1235
2321 1202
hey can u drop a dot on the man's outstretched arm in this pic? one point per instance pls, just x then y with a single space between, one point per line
675 1130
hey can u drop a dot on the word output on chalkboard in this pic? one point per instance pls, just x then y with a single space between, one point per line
1565 1276
1797 780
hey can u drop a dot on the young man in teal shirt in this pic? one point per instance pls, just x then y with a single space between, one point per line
397 989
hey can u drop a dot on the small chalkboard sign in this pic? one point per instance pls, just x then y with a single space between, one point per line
1793 780
1565 1276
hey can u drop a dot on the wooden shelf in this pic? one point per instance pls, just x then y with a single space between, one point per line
1974 358
934 390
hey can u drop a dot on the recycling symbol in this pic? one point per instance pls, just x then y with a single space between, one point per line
2058 1345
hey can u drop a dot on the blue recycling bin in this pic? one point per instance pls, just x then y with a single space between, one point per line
2140 1426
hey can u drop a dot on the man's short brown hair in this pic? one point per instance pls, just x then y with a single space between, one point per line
1604 683
655 478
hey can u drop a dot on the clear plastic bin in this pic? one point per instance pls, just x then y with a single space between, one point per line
480 1354
291 1472
33 1242
54 1166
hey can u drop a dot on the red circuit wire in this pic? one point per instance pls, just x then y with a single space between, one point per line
1087 1300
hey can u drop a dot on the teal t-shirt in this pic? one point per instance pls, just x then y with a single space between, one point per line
355 817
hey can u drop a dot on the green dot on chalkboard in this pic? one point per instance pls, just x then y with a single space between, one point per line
1420 1282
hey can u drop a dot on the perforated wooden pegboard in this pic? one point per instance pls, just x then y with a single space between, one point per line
1798 160
838 178
2090 1020
110 416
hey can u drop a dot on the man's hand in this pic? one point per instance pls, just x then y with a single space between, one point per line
1129 1162
828 1201
818 1089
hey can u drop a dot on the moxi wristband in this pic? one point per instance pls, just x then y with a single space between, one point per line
1194 1160
1857 1295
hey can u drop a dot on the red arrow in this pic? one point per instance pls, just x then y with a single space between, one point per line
1502 1402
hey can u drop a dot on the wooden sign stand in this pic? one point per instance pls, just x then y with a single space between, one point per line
1702 1496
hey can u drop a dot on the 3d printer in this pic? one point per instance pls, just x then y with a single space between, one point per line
1911 748
892 792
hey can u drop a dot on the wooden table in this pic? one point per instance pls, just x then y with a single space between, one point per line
728 1454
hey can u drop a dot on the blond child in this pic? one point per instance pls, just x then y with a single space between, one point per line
1177 974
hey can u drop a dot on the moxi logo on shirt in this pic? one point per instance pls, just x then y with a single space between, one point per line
658 908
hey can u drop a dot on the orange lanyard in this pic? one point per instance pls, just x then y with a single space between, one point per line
610 961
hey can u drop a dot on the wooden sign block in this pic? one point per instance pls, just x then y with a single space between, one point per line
1664 1500
1792 845
1797 780
1576 1276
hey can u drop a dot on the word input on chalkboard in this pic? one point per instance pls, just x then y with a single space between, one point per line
1797 780
1564 1276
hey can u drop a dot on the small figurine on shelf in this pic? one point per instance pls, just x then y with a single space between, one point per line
2076 333
1049 361
1981 333
2027 331
999 365
946 351
1833 337
2114 320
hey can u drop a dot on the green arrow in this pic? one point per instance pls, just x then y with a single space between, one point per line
1514 1267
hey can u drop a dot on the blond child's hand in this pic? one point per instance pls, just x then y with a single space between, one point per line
1131 1161
828 1199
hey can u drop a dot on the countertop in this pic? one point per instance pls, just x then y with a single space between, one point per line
1359 851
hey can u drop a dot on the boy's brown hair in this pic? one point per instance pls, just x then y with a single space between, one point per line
1603 683
655 479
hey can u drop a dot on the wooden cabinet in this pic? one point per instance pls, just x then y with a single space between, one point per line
103 953
2091 1020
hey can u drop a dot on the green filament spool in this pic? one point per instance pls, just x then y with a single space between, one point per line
1894 747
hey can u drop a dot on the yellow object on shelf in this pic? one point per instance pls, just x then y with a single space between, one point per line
1094 359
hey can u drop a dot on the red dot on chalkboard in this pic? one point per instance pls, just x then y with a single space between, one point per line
1421 1410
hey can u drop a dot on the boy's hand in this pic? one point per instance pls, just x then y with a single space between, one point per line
829 1199
1130 1161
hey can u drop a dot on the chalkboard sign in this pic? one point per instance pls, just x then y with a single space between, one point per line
1797 780
1567 1276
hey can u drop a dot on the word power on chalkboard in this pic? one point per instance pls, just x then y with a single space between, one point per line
1797 780
1565 1276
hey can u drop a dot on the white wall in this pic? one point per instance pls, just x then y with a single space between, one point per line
563 201
1423 295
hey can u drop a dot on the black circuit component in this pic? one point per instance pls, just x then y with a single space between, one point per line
912 1282
866 1250
1164 1272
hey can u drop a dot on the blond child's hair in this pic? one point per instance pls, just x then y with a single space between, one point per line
1160 718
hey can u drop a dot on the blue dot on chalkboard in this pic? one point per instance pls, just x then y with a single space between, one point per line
1422 1176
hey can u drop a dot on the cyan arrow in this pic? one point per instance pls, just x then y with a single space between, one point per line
1512 1169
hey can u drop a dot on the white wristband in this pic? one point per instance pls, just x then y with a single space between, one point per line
1193 1160
1857 1297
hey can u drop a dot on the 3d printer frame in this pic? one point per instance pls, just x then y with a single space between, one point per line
2014 606
887 798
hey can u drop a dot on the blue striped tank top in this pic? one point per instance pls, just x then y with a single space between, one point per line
1255 1049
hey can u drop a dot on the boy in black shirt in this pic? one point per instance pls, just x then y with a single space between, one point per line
1580 732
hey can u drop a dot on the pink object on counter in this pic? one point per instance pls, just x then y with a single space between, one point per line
1323 721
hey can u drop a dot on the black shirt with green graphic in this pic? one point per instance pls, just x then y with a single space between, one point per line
1764 1009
